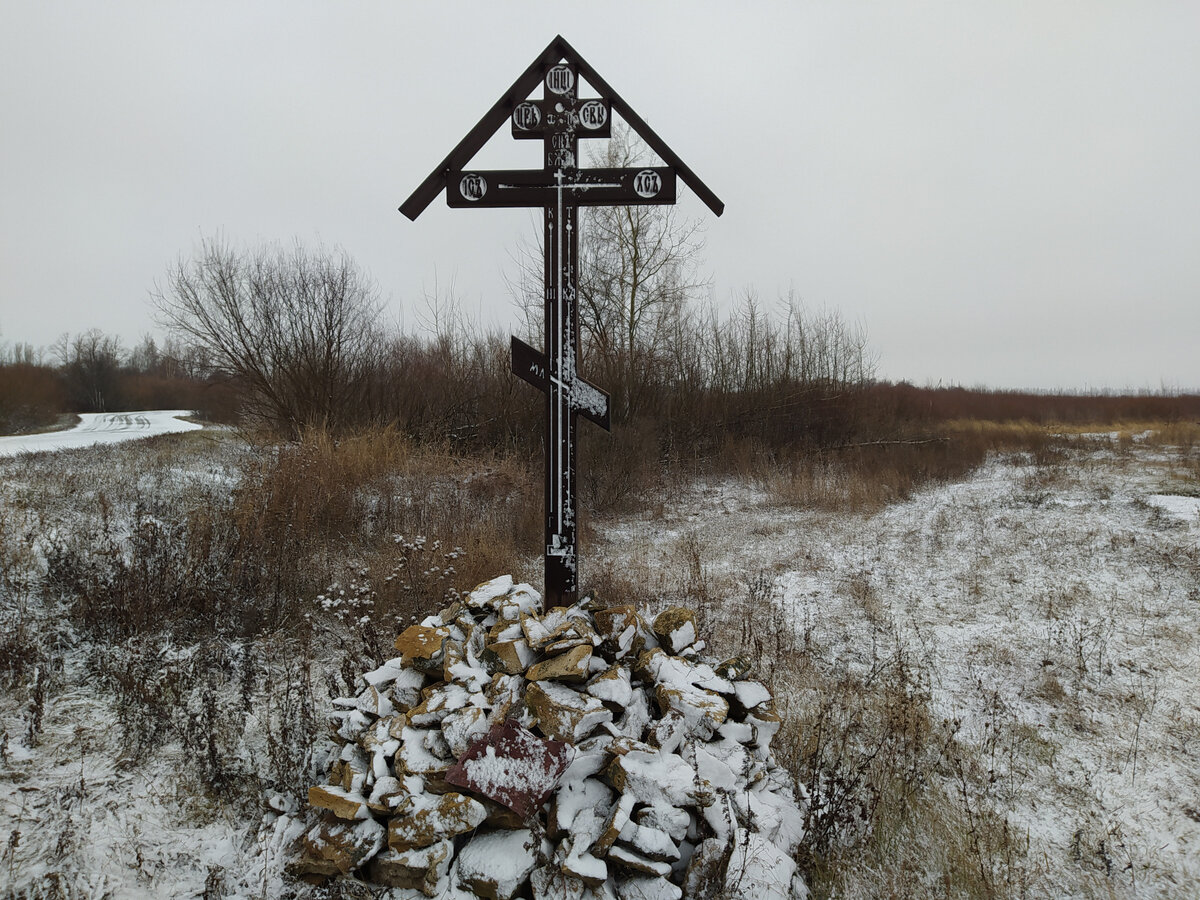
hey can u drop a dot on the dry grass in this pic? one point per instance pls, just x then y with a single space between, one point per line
899 805
296 547
867 476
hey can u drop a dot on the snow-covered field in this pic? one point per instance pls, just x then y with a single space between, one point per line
101 428
1054 609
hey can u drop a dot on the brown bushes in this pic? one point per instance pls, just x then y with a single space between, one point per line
31 397
300 517
915 404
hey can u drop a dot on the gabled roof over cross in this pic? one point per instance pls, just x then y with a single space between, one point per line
501 113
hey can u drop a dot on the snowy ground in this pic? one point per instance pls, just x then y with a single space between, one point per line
1054 609
101 428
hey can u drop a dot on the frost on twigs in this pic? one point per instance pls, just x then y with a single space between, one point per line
511 751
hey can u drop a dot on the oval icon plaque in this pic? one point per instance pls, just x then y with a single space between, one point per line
526 116
560 79
472 186
593 115
647 183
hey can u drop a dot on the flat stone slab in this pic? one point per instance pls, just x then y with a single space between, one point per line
512 766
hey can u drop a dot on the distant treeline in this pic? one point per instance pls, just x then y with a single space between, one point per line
943 404
93 372
804 380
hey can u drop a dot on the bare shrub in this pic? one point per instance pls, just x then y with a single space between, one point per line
297 329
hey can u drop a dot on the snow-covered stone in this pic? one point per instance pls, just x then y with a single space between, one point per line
667 819
463 727
658 779
387 793
495 864
513 767
374 702
758 870
620 631
439 701
579 797
649 842
415 756
433 818
612 686
564 714
751 694
387 673
487 593
638 763
636 862
422 869
675 629
346 845
648 888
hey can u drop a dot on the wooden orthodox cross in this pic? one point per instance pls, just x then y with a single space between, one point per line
558 119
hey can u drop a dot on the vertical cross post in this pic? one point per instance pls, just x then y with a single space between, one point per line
561 339
559 119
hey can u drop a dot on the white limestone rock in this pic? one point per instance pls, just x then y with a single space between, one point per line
495 864
485 595
758 870
646 887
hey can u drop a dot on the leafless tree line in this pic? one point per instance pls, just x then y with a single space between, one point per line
299 331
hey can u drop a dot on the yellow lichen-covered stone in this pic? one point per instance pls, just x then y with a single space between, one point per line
338 801
509 657
571 666
675 629
433 819
420 645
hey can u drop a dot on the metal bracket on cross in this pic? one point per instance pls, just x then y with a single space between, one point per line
559 119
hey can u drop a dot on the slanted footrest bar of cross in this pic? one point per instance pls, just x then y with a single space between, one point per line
509 188
589 401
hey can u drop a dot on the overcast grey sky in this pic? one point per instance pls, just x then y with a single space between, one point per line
1001 193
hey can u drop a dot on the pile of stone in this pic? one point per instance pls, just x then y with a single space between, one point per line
511 751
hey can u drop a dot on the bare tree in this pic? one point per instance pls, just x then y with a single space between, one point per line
296 328
638 272
91 362
638 276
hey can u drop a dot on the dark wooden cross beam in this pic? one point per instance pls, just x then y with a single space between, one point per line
559 119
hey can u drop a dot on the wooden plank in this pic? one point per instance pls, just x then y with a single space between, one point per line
530 366
511 188
534 119
558 49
